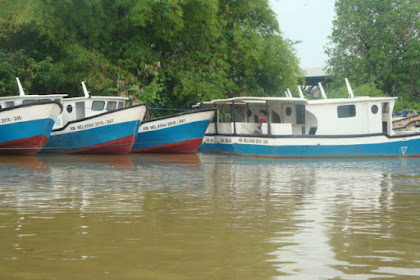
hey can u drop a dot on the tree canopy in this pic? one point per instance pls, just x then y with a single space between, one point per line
377 41
165 52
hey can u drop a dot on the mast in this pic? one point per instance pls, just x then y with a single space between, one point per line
350 91
85 91
301 93
323 94
21 92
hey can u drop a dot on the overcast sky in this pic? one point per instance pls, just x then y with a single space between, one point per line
309 21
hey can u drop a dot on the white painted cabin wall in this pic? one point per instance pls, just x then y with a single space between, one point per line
245 128
288 119
310 121
329 124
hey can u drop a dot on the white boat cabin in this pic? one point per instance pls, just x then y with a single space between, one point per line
74 108
77 108
297 116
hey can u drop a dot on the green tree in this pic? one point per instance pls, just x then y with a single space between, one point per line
170 53
377 41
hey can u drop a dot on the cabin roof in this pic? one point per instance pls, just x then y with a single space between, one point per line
356 99
252 99
109 98
297 100
34 96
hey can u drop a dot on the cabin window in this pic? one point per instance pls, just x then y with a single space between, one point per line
28 101
300 114
112 105
346 111
98 105
385 107
374 109
10 104
69 108
120 105
288 111
44 100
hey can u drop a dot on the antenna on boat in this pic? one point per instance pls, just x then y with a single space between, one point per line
290 93
21 92
351 95
300 92
321 88
85 91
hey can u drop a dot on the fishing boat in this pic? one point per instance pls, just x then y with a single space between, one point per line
96 125
180 133
297 127
25 127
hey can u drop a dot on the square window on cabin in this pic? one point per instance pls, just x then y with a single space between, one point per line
98 105
29 101
10 104
120 105
346 111
112 105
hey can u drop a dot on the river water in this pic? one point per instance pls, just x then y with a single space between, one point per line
208 217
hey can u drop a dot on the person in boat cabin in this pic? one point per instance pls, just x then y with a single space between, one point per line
262 119
404 113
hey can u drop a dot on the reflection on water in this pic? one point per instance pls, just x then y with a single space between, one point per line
208 217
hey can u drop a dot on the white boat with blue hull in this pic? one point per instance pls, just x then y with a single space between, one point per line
26 122
176 134
26 128
297 127
96 125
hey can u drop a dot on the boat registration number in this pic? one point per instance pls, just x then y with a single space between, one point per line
11 119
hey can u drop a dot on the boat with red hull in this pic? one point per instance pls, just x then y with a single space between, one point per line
177 134
25 129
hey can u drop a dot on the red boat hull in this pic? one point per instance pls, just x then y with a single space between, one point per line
119 146
24 146
185 147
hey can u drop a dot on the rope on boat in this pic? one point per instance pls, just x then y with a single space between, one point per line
168 109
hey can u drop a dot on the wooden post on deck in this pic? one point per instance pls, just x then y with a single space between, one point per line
216 121
267 111
232 113
247 110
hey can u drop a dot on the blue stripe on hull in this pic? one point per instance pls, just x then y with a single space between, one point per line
171 135
20 130
388 149
90 137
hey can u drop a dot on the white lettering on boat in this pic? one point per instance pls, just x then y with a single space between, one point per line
162 125
91 125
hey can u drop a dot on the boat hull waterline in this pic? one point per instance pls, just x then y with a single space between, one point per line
25 129
360 146
113 132
180 133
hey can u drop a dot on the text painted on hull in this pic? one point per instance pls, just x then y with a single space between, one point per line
11 119
162 125
91 125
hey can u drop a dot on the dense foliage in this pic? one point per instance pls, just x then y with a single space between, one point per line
377 41
165 52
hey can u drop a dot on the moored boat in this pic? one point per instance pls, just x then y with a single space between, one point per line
26 128
297 127
96 125
179 133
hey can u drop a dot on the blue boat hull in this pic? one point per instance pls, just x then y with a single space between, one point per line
25 129
181 133
108 139
290 147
